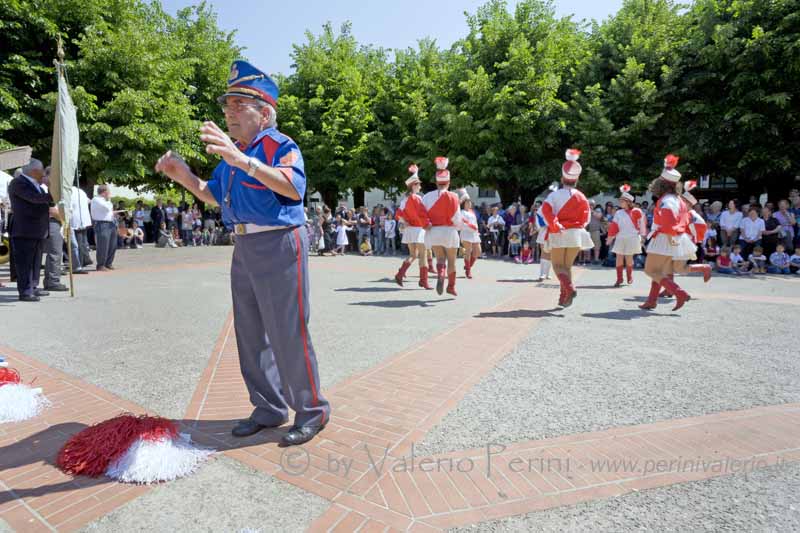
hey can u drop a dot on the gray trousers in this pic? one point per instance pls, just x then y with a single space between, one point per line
54 250
105 238
269 283
83 246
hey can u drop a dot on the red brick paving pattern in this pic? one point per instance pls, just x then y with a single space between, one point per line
383 411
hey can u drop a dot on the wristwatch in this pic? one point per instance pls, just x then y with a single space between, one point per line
253 164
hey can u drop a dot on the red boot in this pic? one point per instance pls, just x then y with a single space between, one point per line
681 296
451 283
629 273
472 264
652 298
619 277
401 273
567 289
468 267
665 293
423 278
562 291
704 268
440 275
430 265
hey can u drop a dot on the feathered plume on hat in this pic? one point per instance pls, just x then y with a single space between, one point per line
414 178
626 193
571 169
687 188
669 173
442 174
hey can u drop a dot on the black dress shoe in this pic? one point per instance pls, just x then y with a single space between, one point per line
57 288
41 292
248 427
300 435
28 298
81 271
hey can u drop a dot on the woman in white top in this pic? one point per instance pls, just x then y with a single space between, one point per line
496 225
729 223
470 237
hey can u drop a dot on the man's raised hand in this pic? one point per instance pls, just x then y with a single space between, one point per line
218 142
173 166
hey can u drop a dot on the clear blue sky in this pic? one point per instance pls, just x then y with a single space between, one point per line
268 28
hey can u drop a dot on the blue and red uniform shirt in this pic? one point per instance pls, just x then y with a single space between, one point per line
245 200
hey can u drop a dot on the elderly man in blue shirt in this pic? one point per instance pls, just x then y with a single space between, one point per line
260 185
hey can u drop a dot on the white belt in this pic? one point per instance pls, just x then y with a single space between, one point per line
246 229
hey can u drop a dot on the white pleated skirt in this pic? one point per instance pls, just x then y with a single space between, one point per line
680 247
571 238
627 245
469 235
446 236
413 235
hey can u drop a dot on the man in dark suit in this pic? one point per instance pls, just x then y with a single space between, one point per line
157 216
31 206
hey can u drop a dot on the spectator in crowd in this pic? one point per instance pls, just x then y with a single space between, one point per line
123 235
172 215
135 236
328 231
514 243
772 231
376 227
509 219
711 250
729 223
53 246
525 255
81 221
197 237
724 262
164 238
714 214
363 223
32 206
758 260
176 237
187 225
497 228
157 216
365 247
139 215
341 235
794 261
752 228
779 261
598 227
105 230
390 232
787 221
737 261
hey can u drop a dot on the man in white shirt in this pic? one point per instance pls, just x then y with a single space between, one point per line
729 223
79 221
105 228
752 229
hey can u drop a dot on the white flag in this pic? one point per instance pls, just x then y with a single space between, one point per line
64 158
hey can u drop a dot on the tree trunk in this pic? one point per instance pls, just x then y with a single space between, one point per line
508 191
330 197
358 197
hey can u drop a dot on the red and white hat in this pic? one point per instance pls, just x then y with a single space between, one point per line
626 193
689 186
669 173
414 178
442 174
571 169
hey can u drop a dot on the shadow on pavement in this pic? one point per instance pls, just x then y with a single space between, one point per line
399 304
628 314
521 313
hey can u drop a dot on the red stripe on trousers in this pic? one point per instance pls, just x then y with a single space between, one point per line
303 333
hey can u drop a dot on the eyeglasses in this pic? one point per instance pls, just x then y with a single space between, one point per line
238 106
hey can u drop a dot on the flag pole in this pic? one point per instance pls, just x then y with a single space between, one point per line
67 228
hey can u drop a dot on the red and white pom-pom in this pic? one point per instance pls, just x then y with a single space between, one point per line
441 163
625 188
18 401
690 185
132 449
572 154
669 173
671 161
413 169
462 195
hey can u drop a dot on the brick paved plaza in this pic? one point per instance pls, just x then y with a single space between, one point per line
496 411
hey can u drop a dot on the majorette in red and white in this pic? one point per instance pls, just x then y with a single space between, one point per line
697 231
131 449
415 219
18 401
627 229
442 237
566 211
470 237
669 236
